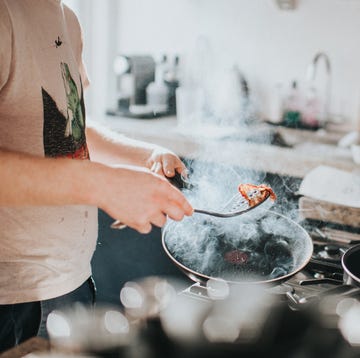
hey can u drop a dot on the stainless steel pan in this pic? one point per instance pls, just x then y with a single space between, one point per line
205 249
351 265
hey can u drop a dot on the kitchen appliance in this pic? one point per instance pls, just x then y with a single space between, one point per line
133 75
314 295
317 287
297 317
144 88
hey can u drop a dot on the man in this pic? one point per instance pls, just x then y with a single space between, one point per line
50 190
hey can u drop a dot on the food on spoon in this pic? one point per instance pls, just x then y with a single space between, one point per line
256 194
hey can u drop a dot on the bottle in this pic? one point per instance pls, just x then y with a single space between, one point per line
157 91
310 117
292 107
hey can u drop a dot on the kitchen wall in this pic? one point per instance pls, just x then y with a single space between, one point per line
99 21
269 45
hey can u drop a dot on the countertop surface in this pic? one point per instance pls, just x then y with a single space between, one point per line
296 153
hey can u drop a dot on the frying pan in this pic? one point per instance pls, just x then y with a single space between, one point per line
194 242
351 264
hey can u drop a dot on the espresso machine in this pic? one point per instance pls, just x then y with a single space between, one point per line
145 87
133 75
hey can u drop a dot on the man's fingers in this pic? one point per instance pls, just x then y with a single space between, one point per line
170 165
143 228
177 198
177 213
177 205
159 220
183 171
174 212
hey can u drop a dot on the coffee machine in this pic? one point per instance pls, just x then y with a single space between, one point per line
145 87
133 75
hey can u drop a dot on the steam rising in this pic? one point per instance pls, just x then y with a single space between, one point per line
257 246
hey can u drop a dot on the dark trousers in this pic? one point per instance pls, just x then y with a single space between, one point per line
21 321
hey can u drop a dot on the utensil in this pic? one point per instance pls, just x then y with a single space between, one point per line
237 205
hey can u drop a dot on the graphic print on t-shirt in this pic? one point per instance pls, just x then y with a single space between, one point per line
64 136
58 42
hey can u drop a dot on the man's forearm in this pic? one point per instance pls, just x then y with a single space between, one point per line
31 180
28 180
109 147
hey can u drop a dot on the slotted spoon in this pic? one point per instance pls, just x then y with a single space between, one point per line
237 205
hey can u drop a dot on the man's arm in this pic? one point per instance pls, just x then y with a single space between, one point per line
109 147
32 180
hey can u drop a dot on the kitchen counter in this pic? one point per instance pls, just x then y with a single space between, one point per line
306 149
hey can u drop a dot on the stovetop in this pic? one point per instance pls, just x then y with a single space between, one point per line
306 296
312 327
189 324
322 276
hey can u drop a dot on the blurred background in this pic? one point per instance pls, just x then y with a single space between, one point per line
272 43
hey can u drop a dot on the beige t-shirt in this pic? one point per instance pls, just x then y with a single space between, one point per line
44 251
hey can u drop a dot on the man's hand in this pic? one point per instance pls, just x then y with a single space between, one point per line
138 197
134 195
164 162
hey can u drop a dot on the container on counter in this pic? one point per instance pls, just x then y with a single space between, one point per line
292 115
312 108
157 92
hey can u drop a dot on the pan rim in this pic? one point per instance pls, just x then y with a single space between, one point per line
345 256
